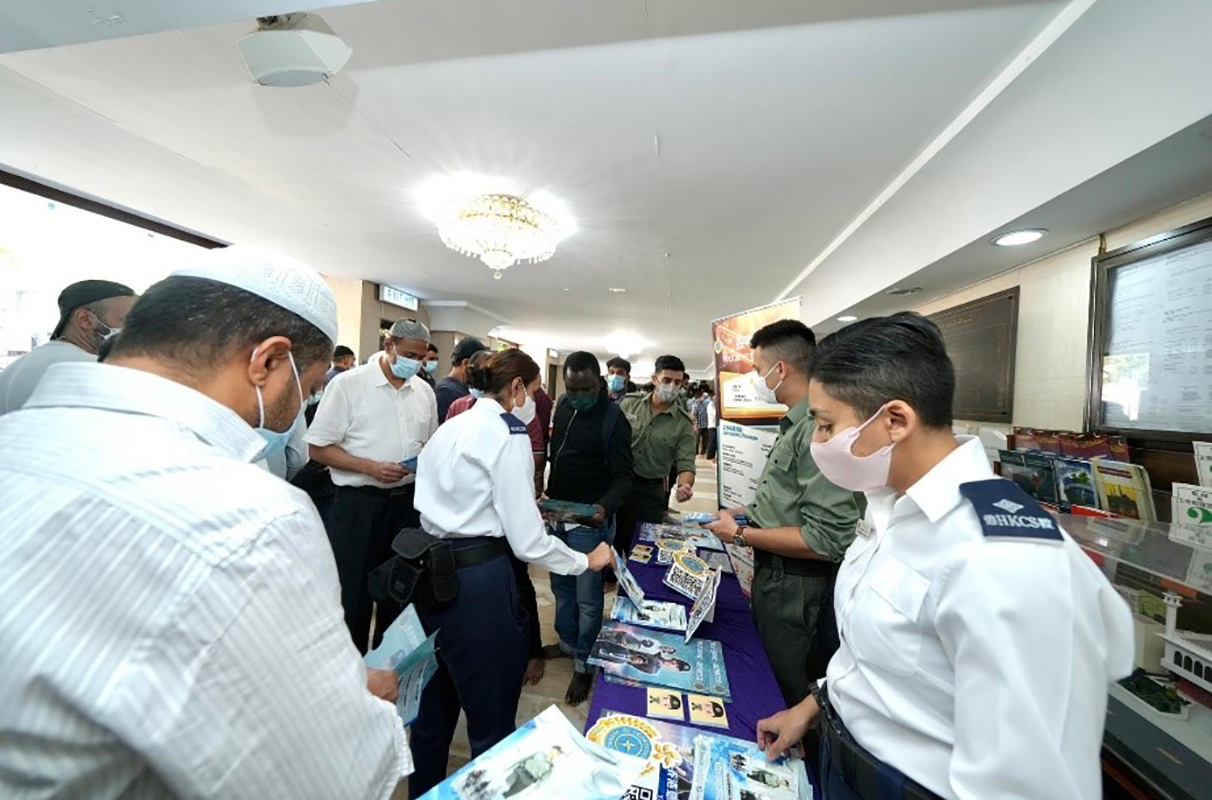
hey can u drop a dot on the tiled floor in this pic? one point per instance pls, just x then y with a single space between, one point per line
550 690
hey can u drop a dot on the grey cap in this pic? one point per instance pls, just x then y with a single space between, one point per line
410 330
279 279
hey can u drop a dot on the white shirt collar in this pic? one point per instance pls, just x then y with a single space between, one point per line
133 391
380 378
937 492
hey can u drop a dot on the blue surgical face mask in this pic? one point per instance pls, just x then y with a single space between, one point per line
275 441
405 367
431 367
477 393
616 383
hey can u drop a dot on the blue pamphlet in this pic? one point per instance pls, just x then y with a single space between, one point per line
406 649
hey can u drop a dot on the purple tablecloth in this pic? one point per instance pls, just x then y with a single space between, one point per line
755 693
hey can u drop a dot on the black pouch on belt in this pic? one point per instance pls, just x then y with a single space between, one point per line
423 569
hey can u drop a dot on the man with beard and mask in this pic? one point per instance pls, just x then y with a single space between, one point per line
662 439
590 464
799 524
977 638
372 419
90 312
169 613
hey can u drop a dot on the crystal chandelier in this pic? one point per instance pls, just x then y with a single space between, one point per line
487 220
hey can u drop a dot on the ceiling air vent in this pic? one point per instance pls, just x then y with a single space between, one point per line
901 291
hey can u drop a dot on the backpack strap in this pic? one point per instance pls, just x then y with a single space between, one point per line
609 420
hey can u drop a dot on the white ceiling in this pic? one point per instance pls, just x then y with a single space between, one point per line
709 149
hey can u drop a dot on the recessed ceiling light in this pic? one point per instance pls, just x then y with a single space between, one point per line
617 290
847 318
1013 238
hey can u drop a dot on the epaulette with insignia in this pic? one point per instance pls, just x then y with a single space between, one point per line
1007 512
515 425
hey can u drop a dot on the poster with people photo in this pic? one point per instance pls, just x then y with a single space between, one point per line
661 659
545 759
650 614
730 769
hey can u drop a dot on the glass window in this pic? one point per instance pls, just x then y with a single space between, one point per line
45 245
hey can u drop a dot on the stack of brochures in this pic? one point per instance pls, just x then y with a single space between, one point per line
683 762
639 656
545 759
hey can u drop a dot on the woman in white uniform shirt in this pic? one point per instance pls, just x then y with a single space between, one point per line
475 487
978 640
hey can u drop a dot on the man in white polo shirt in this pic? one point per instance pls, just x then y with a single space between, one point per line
371 420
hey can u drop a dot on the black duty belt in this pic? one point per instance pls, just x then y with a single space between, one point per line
862 772
472 551
648 481
797 567
395 491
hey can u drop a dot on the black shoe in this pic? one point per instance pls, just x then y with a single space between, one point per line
578 688
554 651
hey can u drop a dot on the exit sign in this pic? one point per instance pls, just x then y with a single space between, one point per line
397 297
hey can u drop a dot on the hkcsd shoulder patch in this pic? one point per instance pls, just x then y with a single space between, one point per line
1007 512
515 425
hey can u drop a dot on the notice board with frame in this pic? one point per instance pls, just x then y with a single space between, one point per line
981 337
1150 372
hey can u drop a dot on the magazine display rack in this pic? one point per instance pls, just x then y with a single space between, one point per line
1159 721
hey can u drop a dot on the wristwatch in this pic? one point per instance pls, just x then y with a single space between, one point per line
739 538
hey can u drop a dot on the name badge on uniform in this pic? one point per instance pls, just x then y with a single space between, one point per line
864 529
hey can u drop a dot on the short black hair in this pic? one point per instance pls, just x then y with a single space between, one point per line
197 323
902 357
619 363
341 352
669 362
433 348
788 340
581 361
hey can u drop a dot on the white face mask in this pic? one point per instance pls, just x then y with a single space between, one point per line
842 467
666 392
764 392
525 412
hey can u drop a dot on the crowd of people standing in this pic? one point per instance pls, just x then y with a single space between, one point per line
176 620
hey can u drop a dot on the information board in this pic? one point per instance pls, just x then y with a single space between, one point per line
980 338
1157 344
742 457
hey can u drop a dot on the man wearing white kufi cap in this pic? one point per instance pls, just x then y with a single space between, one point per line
170 615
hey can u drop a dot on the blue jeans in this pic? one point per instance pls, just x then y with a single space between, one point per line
579 599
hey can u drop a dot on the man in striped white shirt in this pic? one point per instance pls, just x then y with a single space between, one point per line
170 618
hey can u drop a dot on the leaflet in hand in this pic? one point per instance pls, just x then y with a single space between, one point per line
727 769
661 659
565 511
704 604
406 650
651 614
691 536
627 581
545 759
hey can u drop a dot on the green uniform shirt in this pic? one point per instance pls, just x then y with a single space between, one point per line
793 492
658 439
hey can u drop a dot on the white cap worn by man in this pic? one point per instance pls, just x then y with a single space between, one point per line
170 618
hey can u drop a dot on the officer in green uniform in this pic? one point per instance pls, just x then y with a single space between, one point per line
799 524
662 438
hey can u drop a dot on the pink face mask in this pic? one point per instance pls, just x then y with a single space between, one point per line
844 468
